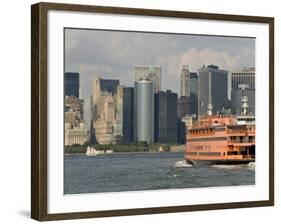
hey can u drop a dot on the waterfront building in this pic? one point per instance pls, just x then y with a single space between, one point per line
236 96
128 115
76 135
144 111
151 72
71 84
166 117
74 124
246 76
75 104
185 81
212 89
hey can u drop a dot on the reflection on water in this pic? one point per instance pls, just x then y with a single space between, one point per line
147 171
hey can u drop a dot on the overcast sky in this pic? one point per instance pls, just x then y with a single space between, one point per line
112 54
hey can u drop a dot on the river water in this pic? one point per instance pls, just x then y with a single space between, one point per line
147 171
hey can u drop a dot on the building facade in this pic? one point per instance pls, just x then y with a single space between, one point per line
74 124
246 76
236 97
166 117
128 115
212 89
144 111
105 120
151 72
194 93
100 87
71 84
118 127
185 81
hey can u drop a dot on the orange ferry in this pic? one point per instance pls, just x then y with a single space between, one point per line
221 139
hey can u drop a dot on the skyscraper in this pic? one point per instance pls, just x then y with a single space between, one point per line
193 93
236 97
144 111
246 76
243 84
105 120
100 87
118 127
71 84
166 117
128 114
185 81
151 72
212 89
183 106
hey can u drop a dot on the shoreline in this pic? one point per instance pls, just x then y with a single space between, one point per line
119 153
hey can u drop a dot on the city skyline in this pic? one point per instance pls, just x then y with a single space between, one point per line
113 55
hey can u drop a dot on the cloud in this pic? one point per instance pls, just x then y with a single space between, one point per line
198 57
113 54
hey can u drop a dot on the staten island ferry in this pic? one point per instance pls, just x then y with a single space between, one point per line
222 139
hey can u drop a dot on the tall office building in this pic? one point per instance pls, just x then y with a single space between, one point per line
105 120
100 87
212 89
118 127
128 114
243 84
151 72
246 76
193 93
194 83
183 106
185 81
236 97
144 111
188 100
166 117
71 84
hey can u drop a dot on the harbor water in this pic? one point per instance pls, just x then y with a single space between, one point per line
147 171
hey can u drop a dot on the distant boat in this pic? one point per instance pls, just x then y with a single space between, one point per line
91 151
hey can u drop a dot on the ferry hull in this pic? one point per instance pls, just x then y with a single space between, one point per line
217 162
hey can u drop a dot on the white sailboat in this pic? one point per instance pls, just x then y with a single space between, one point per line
91 151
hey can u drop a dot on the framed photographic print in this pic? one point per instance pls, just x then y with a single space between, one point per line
141 111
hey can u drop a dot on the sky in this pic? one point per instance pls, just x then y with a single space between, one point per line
113 54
